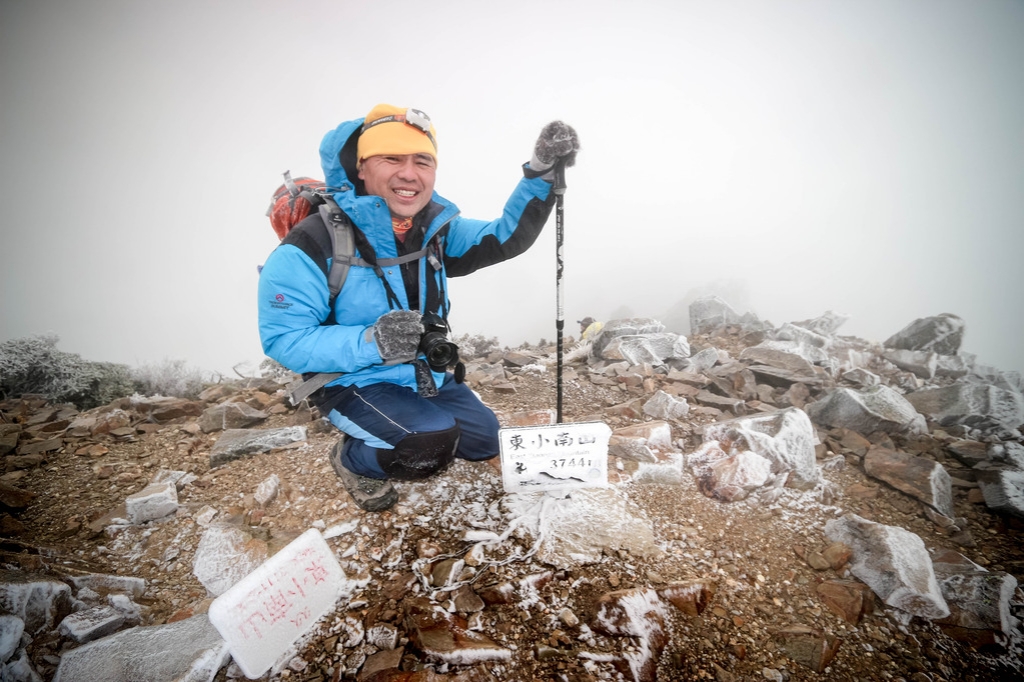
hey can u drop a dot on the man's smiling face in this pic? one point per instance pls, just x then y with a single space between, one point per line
404 181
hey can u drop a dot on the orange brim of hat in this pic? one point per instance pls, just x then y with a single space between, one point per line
394 137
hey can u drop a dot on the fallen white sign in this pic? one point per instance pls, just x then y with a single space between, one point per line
555 456
269 609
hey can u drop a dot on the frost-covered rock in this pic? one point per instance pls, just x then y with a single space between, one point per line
577 530
728 477
444 637
40 601
893 562
663 406
229 416
11 630
861 377
954 366
657 435
878 408
1010 452
104 584
640 614
632 326
188 650
653 349
973 404
266 491
702 361
225 555
920 362
666 469
153 502
785 438
93 623
942 334
236 443
827 324
919 477
709 313
977 598
19 669
782 358
1003 489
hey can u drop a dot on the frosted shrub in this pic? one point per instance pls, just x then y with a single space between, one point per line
475 346
274 370
103 383
171 378
33 364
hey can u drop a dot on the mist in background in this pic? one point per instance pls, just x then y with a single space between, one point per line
793 157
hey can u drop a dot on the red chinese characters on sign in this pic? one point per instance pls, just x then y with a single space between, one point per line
279 596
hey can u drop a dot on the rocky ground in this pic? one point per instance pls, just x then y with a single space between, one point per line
759 615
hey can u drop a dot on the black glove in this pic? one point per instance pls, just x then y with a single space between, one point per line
557 141
397 334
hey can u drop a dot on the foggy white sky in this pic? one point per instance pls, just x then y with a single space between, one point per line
859 156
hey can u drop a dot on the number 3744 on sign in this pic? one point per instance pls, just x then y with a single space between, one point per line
554 456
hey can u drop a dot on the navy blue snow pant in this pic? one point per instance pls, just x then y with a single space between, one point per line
395 433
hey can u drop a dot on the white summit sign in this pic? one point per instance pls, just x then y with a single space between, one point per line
554 456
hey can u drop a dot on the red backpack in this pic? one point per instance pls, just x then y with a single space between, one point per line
293 201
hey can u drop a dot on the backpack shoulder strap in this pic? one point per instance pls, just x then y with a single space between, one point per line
343 246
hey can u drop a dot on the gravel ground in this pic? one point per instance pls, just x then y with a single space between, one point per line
747 548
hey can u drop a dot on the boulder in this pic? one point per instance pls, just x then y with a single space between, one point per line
941 334
977 599
702 361
785 438
1003 489
190 649
728 477
632 326
851 600
826 324
580 529
878 408
920 362
972 404
41 602
237 443
919 477
11 630
860 377
229 416
653 349
893 562
778 358
445 637
663 406
155 501
808 646
640 614
709 313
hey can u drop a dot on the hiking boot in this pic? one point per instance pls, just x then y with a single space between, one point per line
371 494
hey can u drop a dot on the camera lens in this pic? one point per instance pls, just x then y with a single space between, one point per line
440 353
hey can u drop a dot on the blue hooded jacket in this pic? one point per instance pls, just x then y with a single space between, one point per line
294 312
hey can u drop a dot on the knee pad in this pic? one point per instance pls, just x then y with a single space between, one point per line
420 455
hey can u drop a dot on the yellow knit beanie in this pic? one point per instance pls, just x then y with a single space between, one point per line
393 130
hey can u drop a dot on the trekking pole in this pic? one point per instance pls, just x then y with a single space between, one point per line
559 190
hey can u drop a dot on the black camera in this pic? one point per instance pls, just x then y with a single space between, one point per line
434 344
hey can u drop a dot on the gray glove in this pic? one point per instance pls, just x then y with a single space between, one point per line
557 141
397 334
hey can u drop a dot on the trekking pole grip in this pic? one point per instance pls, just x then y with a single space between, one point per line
559 184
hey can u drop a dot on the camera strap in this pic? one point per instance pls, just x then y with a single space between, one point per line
425 385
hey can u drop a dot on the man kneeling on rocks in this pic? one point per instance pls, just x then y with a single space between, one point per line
403 415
